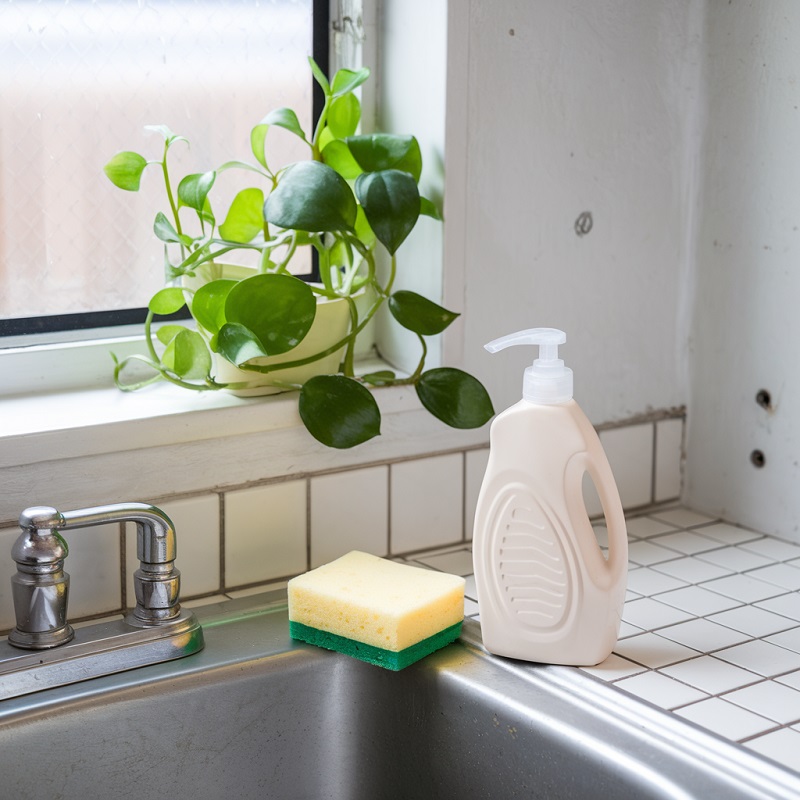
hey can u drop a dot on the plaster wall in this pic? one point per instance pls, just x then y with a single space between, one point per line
675 126
745 328
560 111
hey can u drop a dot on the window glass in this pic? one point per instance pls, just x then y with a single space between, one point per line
79 81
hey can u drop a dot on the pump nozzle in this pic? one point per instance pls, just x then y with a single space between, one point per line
547 381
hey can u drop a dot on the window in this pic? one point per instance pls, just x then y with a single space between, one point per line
79 82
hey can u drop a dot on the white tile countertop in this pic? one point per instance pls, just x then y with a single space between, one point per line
710 631
711 627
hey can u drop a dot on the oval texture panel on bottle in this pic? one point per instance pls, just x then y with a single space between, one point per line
531 562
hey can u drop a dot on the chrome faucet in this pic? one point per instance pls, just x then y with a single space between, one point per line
157 629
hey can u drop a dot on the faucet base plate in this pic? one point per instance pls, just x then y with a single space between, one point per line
41 641
96 650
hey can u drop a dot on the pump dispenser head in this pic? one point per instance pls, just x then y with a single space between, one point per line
547 381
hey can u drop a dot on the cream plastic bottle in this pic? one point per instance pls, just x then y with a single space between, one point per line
545 590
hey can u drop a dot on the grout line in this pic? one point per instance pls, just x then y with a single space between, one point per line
308 523
389 510
463 497
221 522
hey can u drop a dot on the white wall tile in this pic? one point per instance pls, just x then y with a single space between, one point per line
265 533
475 469
630 453
427 507
196 521
669 443
94 565
349 511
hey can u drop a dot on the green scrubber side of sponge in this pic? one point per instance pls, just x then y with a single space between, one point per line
389 659
376 610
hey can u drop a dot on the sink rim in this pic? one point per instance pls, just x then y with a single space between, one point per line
235 633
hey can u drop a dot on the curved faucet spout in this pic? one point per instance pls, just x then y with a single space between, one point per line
41 586
155 533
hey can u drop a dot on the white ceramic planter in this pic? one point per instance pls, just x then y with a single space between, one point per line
331 324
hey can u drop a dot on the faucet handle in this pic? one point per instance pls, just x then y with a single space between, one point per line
40 587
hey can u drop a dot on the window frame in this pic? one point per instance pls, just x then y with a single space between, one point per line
59 328
80 360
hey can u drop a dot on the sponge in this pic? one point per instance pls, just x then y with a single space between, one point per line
376 610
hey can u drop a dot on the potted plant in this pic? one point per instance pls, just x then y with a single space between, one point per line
354 194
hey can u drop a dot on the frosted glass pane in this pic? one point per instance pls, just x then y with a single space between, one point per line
78 82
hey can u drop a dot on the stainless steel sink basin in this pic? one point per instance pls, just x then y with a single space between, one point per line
256 715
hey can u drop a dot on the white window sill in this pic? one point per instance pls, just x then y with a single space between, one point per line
92 422
59 425
97 446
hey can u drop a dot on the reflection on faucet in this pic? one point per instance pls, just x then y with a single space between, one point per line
155 630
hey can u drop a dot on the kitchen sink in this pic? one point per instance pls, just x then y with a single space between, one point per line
256 715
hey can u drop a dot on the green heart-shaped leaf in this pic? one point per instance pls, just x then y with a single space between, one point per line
346 80
125 170
363 230
319 76
311 197
208 304
187 355
455 397
167 301
390 200
245 218
381 378
379 151
338 156
169 137
427 208
193 190
278 309
165 231
238 344
418 314
338 411
344 116
282 118
166 333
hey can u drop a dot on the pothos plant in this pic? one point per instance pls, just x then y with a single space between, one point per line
354 194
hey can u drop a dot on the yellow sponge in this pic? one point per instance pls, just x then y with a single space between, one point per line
380 611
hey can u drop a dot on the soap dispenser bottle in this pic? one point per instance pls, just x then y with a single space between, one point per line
546 592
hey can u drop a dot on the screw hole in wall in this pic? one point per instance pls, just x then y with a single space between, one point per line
757 458
764 399
584 223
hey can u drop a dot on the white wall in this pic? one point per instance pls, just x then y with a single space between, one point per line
557 107
411 56
746 327
677 125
